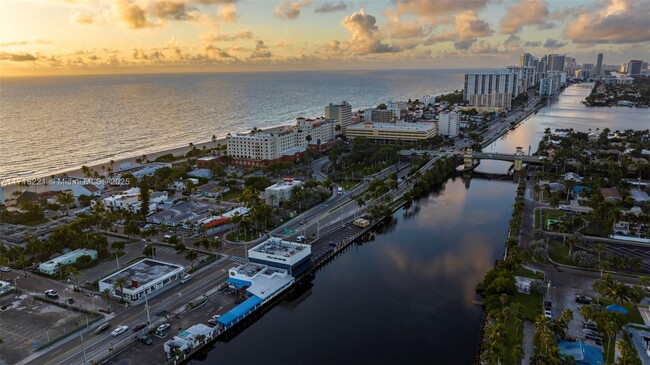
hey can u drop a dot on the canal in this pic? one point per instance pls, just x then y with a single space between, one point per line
406 296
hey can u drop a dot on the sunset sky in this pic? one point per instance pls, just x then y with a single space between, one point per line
48 37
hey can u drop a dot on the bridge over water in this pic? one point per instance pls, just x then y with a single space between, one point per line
472 159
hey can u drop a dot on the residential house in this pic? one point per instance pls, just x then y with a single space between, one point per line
611 194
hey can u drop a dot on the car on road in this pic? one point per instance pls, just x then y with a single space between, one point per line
583 299
146 340
119 330
163 327
302 222
186 278
548 314
50 293
5 269
102 328
139 326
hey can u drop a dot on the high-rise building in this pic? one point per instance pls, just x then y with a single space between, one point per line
428 99
622 68
555 62
599 65
341 113
634 67
526 75
491 89
526 59
570 65
448 124
587 66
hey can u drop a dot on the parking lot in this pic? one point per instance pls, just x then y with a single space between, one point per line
139 353
26 322
630 251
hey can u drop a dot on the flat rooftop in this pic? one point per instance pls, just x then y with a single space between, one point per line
416 126
142 272
250 269
278 247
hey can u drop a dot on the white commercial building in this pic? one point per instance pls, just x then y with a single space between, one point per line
341 113
448 124
550 84
617 79
281 191
189 339
491 89
145 277
275 252
269 146
52 267
428 99
393 131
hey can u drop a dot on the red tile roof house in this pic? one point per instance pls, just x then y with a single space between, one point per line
611 194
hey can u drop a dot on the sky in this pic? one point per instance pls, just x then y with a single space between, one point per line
60 37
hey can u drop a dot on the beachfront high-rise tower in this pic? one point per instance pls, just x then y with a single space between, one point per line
342 113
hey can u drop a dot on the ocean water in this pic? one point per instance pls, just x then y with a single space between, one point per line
51 124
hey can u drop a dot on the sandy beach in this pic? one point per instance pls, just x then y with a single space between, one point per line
8 189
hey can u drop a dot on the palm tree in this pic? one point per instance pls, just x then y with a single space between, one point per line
106 294
119 283
587 312
73 271
518 353
599 249
191 255
65 199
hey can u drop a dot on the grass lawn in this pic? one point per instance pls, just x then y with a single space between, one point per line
231 196
532 304
513 337
559 253
633 315
522 271
546 215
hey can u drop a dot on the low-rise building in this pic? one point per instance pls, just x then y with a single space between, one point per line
52 267
281 191
189 338
138 172
145 277
611 194
276 252
640 197
393 131
207 162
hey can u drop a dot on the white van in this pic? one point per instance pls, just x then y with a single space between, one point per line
185 279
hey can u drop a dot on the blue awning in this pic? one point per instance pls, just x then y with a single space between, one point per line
239 283
239 311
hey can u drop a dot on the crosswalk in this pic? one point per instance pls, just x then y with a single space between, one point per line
237 259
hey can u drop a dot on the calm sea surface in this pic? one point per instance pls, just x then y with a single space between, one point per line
57 123
405 298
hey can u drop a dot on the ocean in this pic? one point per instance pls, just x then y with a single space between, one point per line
53 124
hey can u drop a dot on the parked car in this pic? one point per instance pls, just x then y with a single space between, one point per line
50 293
139 326
163 327
548 314
593 336
5 269
102 328
583 299
590 325
146 340
119 330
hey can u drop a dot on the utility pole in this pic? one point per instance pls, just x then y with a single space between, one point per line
118 261
83 348
146 306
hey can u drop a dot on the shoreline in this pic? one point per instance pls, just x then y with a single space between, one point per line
76 171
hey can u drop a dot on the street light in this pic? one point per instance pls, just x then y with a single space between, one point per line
94 306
